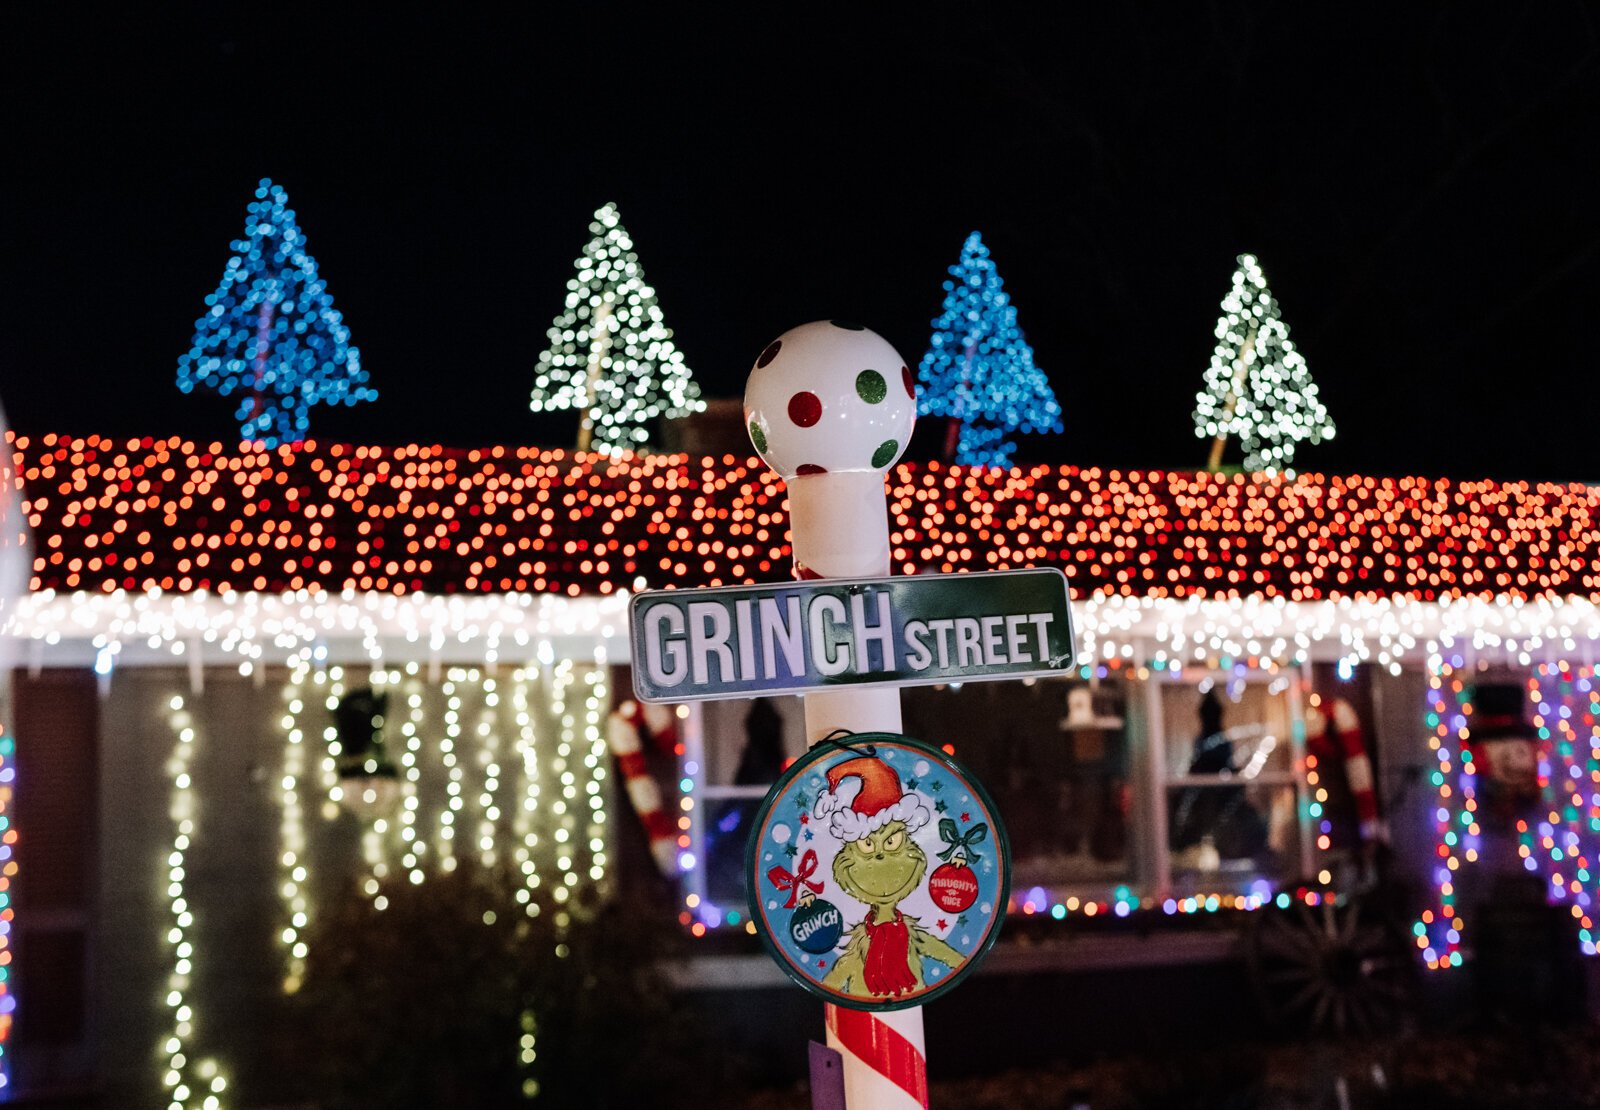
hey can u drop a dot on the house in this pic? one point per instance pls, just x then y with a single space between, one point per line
197 617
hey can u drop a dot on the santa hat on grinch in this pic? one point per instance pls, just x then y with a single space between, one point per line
864 795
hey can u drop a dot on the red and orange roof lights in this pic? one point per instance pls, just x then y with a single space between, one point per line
174 515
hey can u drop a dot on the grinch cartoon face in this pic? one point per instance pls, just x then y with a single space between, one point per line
881 868
879 865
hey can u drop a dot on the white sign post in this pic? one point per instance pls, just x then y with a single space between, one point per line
824 404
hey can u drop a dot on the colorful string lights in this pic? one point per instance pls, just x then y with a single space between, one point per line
1562 844
702 915
166 548
1257 387
611 354
1565 702
1449 714
8 870
270 332
979 370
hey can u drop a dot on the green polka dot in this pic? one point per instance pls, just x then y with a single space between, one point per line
758 437
871 386
886 452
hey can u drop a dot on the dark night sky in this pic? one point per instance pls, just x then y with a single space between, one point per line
1418 180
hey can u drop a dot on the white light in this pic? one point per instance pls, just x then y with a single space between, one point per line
183 806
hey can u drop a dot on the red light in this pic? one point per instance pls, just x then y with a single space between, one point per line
691 522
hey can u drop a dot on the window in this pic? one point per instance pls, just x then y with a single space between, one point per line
1053 754
1233 812
739 749
1121 789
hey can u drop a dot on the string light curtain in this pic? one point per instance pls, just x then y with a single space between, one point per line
1560 843
495 765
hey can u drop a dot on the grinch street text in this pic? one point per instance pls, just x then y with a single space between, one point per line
743 641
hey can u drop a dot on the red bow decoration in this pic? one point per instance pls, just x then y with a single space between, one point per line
783 880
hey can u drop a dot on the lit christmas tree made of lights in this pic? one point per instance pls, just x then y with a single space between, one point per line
270 332
979 371
1257 387
611 355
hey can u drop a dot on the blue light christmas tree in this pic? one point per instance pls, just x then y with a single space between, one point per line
270 332
979 371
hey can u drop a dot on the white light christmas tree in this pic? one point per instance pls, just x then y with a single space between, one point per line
611 355
1257 387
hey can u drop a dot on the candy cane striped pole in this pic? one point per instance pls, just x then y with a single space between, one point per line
625 731
1350 744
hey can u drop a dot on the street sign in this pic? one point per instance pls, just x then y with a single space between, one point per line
794 637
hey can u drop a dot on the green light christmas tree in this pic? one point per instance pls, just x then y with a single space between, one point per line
270 332
979 371
1257 388
611 355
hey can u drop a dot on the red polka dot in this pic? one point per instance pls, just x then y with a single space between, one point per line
911 386
810 468
805 409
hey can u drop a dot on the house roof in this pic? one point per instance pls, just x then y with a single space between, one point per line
174 515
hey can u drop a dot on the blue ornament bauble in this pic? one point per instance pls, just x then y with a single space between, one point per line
817 926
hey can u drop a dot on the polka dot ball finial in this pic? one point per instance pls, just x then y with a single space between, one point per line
829 397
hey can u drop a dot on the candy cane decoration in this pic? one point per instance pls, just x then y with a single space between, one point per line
830 407
1352 748
626 727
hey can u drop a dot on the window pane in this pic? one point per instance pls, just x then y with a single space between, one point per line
726 830
1231 814
1059 779
747 745
1238 729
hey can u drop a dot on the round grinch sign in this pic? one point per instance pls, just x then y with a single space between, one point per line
878 871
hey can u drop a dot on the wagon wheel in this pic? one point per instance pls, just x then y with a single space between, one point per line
1341 967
